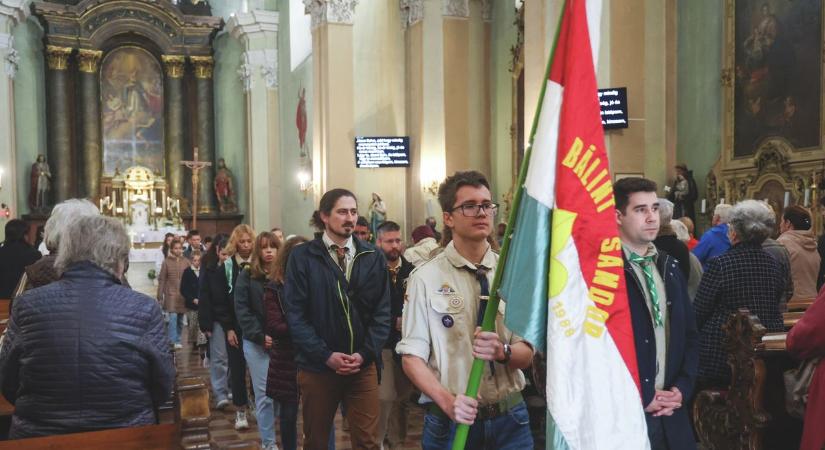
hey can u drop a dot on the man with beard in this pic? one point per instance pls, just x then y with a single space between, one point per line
337 303
395 388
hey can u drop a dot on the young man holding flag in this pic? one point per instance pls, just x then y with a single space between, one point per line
445 297
664 326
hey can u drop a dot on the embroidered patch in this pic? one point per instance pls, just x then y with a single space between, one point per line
456 301
445 290
447 320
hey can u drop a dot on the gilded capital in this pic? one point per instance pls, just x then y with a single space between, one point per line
203 66
88 60
58 57
173 65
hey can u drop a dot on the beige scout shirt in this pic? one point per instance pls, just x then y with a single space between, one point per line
440 318
661 333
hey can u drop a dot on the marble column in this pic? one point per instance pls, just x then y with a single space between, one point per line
333 157
91 154
173 98
12 12
205 129
258 31
59 113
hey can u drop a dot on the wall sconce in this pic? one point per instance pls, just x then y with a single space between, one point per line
305 184
430 188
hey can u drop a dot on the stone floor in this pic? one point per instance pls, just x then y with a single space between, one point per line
222 423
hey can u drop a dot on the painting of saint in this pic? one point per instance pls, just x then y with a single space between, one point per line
777 73
131 92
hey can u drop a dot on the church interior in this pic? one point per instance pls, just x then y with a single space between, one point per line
171 115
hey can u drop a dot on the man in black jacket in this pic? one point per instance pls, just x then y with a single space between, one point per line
337 302
664 325
15 255
395 388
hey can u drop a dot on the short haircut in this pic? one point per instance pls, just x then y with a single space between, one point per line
624 188
798 216
362 221
752 221
62 215
665 212
449 187
723 211
328 201
386 227
688 223
207 239
16 230
97 239
192 233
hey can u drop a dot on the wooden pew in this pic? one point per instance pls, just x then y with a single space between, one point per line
800 305
749 413
189 431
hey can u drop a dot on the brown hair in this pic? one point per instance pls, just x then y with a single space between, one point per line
448 190
279 270
256 265
328 202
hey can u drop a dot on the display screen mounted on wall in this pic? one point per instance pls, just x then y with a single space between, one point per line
372 152
613 103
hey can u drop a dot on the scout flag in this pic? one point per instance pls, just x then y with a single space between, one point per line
563 279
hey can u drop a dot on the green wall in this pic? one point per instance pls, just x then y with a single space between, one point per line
504 36
29 105
230 113
699 91
297 209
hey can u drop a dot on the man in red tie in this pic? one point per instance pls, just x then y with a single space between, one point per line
337 302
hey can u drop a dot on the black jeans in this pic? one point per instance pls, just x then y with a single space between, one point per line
237 371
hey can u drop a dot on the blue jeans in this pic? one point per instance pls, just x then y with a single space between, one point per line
510 431
265 408
174 326
218 363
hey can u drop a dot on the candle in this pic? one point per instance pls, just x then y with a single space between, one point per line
787 199
722 201
101 205
807 196
163 199
119 210
704 206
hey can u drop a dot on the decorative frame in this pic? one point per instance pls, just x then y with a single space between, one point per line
728 81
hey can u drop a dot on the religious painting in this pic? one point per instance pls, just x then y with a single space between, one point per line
777 73
131 93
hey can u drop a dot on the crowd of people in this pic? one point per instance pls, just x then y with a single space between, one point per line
354 320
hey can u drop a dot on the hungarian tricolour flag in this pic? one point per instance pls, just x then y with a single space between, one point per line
563 281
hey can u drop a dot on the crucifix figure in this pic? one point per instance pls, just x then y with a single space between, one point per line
196 167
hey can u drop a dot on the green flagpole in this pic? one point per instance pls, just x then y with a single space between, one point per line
488 323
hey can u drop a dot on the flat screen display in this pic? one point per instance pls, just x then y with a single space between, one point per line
613 103
373 152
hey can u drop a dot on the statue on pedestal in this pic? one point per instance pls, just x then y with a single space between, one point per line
223 188
39 184
378 213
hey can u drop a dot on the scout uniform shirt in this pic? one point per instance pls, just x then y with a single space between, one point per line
439 321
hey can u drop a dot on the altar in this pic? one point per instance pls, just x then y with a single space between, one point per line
138 198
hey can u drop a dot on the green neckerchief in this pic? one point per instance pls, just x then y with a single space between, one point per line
227 266
647 264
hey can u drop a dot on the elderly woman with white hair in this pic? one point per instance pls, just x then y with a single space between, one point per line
85 353
745 276
43 272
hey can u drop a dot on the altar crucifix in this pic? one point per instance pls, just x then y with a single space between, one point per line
196 167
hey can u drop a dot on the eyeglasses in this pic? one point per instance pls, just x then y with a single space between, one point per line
475 210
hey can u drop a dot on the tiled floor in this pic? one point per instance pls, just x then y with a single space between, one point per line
222 423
